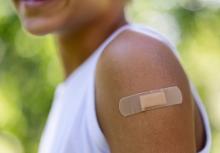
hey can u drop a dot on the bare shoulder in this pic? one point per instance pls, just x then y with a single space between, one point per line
134 63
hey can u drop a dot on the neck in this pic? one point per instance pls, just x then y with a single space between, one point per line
77 45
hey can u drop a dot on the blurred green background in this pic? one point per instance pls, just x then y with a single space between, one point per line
30 68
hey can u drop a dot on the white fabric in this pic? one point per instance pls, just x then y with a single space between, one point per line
72 125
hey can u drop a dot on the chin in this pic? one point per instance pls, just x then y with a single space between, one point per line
56 25
41 17
40 27
38 30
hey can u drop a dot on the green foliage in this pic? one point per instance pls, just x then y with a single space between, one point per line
28 75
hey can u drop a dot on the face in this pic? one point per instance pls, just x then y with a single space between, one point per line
51 16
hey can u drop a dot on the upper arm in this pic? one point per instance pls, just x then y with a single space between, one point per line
135 63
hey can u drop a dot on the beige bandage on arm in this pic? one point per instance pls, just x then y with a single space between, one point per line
150 100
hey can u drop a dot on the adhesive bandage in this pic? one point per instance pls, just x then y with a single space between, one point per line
150 100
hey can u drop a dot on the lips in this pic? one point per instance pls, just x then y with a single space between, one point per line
40 8
32 4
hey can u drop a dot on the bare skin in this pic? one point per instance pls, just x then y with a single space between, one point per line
135 63
80 27
76 47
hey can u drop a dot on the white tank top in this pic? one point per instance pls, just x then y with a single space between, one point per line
72 125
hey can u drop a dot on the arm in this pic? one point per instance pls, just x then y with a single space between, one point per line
141 65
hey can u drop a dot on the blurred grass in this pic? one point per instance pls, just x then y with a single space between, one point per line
30 69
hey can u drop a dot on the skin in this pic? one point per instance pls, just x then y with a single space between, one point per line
128 65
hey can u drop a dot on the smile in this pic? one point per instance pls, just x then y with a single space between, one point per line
35 3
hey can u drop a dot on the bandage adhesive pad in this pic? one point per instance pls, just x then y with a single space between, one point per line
150 100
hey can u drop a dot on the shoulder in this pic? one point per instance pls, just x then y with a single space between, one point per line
135 63
137 57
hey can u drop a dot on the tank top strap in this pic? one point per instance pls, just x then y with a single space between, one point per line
138 28
101 48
